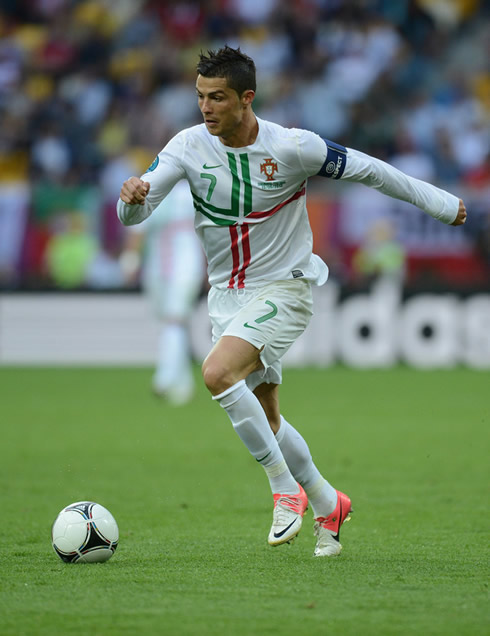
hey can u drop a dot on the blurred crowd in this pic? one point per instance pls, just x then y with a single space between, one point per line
91 90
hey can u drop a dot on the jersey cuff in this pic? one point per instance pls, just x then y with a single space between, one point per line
334 164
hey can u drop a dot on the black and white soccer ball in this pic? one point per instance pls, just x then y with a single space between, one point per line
84 532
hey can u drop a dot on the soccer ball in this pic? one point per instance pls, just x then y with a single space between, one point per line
84 532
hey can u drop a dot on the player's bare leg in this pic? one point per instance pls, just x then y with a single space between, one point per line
230 360
268 396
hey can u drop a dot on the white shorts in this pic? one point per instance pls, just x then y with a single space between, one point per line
271 318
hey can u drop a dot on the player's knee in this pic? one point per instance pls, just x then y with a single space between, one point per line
217 377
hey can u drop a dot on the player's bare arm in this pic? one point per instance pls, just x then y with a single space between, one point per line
461 216
134 191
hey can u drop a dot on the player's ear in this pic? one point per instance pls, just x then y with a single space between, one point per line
247 97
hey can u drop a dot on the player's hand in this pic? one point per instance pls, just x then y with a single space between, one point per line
461 217
134 191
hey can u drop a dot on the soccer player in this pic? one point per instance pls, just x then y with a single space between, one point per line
248 180
172 278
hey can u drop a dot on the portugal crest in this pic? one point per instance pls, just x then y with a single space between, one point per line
268 168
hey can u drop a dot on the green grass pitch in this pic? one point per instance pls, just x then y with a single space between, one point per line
194 509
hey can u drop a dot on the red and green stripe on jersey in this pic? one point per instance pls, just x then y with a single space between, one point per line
240 252
241 195
240 208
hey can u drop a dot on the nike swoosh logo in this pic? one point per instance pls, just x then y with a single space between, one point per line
337 536
245 324
264 457
206 167
280 534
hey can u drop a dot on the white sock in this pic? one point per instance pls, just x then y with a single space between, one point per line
173 363
251 424
321 495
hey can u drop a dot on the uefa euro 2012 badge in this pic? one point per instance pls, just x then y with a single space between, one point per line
153 164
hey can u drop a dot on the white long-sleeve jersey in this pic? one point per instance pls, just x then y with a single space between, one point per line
250 202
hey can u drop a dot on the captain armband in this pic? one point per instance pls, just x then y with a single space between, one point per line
334 164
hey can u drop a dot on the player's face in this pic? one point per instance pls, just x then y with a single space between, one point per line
223 110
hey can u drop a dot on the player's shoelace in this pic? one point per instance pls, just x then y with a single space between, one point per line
284 506
292 502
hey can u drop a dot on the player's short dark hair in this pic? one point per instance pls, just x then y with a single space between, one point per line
237 68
